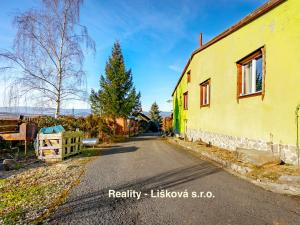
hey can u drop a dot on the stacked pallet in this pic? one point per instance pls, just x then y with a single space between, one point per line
57 146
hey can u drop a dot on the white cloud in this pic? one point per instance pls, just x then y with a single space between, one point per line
175 68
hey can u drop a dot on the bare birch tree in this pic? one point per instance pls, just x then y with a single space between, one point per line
47 51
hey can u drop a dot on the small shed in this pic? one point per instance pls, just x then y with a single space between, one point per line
12 128
55 144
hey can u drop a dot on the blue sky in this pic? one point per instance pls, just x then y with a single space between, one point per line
157 37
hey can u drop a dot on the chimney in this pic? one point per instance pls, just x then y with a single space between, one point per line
200 40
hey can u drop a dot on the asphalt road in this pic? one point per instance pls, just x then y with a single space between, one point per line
148 163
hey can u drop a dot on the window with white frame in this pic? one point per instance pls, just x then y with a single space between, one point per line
251 74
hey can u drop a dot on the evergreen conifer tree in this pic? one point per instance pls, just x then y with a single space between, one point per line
117 96
155 115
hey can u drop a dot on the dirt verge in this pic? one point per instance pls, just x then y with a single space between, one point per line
280 178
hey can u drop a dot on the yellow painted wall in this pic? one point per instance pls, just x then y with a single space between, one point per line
279 31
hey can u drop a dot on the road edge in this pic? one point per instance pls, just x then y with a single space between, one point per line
239 170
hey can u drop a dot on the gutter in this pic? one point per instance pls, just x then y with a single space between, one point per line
271 4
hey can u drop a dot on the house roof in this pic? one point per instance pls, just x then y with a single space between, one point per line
246 20
143 116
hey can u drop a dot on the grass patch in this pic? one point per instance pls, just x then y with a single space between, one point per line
29 196
118 138
12 217
15 197
13 200
2 182
90 152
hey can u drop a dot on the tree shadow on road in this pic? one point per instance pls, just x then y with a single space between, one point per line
143 137
99 202
90 152
111 151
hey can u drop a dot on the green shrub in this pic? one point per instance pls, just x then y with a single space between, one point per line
92 125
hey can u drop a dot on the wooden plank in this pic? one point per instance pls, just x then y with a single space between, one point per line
66 143
50 136
49 147
8 126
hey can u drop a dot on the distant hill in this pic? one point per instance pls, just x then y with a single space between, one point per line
43 111
163 114
50 111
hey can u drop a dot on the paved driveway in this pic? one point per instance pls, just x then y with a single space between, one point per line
148 164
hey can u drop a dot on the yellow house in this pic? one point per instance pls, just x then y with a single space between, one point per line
242 88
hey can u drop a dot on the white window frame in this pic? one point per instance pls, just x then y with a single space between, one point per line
253 74
207 93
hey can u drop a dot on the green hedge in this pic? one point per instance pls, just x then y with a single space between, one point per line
92 125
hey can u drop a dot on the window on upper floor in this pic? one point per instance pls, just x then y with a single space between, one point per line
185 101
251 74
188 76
205 93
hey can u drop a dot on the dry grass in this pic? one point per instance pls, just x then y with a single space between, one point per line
204 147
32 194
270 172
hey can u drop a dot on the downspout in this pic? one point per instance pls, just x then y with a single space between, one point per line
297 130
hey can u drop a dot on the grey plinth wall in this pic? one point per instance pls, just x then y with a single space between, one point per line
287 152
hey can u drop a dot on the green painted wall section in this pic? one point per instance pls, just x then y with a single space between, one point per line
179 114
279 31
